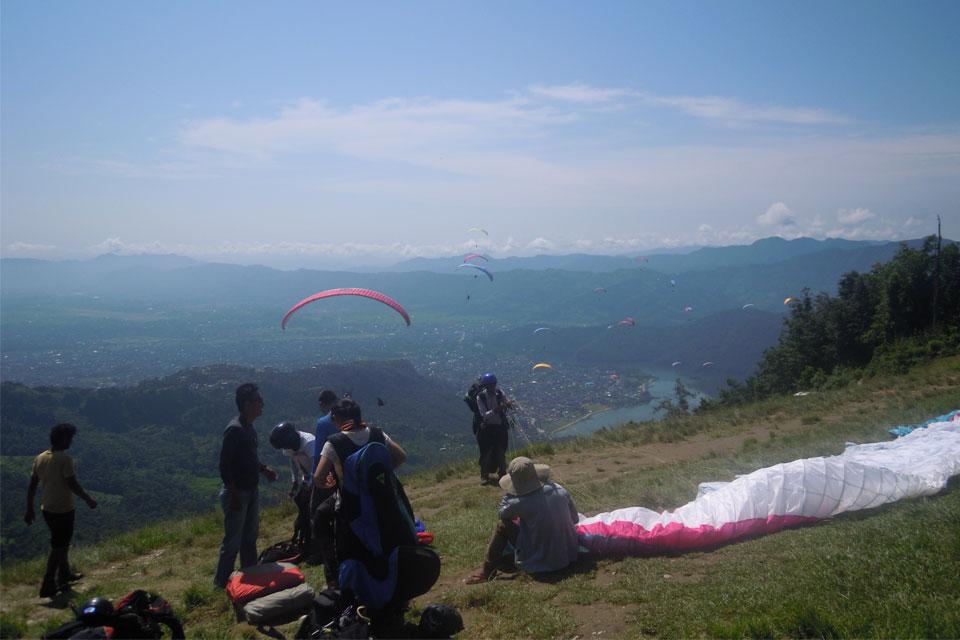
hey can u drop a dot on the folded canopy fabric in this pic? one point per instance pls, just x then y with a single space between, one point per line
784 495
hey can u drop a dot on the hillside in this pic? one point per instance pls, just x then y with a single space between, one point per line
887 572
151 449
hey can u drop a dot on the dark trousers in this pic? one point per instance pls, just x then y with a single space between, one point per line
506 532
323 504
61 533
492 441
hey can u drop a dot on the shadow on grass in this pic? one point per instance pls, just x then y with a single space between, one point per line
584 564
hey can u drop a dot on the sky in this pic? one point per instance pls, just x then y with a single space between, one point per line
323 134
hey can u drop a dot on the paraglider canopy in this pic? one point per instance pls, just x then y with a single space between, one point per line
599 290
789 300
347 291
687 309
478 229
477 267
541 365
542 329
747 306
707 364
627 322
475 256
676 364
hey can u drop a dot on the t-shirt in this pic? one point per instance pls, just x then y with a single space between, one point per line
548 538
53 468
325 429
301 460
358 437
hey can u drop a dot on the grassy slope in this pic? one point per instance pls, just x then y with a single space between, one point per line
889 572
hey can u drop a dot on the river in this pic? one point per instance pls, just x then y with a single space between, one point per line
661 388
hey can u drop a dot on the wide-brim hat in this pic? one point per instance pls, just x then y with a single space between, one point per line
523 476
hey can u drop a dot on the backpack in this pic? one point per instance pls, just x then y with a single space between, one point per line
374 520
138 614
283 551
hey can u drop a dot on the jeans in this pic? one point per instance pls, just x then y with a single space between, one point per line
240 531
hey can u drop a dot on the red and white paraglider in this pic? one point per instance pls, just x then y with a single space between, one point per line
347 291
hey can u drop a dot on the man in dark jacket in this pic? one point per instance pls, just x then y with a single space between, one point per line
240 469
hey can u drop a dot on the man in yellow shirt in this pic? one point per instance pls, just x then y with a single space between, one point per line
53 472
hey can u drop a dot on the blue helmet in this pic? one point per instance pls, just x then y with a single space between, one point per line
488 380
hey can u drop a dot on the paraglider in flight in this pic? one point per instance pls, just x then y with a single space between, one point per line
707 364
348 291
475 256
673 282
627 322
541 365
747 306
676 364
789 300
477 267
642 259
478 229
614 376
542 329
599 290
687 309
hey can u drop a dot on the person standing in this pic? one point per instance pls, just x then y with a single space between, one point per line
54 473
298 446
323 498
240 469
492 438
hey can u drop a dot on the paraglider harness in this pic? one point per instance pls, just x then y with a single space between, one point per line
471 399
138 614
380 559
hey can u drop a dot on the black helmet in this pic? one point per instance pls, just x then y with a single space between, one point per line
96 612
488 380
439 621
285 436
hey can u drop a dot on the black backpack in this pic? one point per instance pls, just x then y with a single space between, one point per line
137 615
471 398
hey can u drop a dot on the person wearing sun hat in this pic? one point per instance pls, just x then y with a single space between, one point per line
538 517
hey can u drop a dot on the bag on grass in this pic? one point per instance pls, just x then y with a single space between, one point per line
280 607
261 579
283 551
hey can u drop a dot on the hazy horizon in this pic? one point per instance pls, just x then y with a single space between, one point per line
367 135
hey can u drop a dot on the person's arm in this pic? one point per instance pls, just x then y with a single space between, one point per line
78 490
29 516
228 451
267 472
574 514
397 455
294 475
322 476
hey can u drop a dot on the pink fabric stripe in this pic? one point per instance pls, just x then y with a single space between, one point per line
628 537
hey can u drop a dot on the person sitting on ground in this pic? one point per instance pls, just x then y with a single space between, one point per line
298 446
53 471
537 517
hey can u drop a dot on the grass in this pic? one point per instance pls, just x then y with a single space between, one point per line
887 572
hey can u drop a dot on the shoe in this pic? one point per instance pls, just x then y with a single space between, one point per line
73 577
48 590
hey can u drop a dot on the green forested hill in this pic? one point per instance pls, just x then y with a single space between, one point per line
151 449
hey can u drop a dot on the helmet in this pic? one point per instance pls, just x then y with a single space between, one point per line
488 380
285 436
439 621
96 612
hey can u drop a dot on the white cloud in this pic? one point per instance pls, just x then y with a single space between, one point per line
734 112
852 217
777 215
578 92
28 247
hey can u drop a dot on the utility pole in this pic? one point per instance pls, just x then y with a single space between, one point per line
936 277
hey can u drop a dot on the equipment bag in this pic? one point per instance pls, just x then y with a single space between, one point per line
260 580
280 607
283 551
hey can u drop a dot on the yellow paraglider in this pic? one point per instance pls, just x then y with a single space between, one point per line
541 365
789 300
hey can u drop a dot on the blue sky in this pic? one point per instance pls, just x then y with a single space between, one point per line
328 135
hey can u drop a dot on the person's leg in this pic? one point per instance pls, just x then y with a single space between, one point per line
506 532
64 575
232 530
502 442
251 529
326 535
